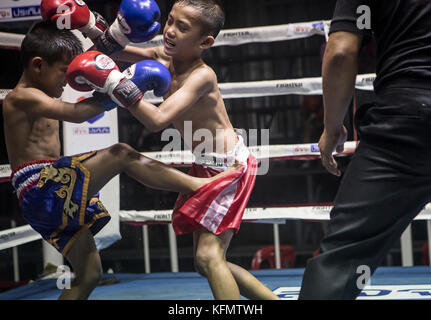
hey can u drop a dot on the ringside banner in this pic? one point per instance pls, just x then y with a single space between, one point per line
19 10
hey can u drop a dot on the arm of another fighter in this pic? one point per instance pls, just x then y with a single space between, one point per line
36 102
156 119
133 55
339 71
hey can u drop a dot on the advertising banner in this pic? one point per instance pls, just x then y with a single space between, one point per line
19 10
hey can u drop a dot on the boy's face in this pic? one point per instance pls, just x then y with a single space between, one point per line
50 78
182 33
55 77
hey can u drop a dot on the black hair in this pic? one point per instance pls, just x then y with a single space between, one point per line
212 14
45 40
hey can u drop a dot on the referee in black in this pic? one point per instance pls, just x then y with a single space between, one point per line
388 181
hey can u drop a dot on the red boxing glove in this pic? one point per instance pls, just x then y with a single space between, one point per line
75 10
94 70
74 14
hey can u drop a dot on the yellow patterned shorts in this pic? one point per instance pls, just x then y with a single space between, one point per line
53 199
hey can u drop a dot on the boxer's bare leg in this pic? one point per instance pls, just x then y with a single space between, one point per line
86 264
249 286
210 262
119 158
227 280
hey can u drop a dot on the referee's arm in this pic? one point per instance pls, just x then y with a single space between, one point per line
339 71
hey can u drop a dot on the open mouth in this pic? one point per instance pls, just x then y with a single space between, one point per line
169 43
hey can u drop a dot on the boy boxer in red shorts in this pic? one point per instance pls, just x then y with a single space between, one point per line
214 213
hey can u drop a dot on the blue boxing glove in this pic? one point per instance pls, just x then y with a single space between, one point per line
150 75
146 75
137 21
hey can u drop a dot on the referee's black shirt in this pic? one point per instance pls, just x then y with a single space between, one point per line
402 29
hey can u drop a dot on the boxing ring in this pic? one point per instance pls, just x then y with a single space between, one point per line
405 282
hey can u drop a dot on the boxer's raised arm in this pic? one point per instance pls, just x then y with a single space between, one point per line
74 15
200 82
132 54
137 21
36 103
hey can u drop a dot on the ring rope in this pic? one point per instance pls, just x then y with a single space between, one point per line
319 212
254 89
227 37
271 152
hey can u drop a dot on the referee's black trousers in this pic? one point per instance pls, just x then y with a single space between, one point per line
387 183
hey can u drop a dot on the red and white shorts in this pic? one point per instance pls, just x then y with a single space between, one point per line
219 205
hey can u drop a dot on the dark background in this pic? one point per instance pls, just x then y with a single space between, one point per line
291 120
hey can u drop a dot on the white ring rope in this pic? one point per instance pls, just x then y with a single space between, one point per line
11 40
20 235
236 37
285 152
5 172
228 37
16 236
270 152
309 212
236 90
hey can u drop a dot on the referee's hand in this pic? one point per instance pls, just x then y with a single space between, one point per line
328 143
